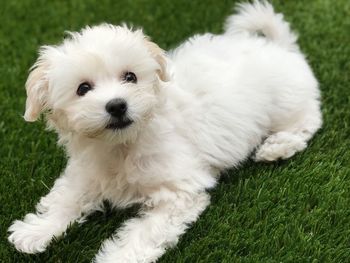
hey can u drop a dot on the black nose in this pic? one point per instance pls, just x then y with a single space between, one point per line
117 107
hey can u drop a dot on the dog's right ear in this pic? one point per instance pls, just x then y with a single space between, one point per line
37 88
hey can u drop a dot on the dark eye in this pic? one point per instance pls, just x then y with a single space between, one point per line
83 88
129 77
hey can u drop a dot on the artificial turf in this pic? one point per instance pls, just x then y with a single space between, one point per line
291 211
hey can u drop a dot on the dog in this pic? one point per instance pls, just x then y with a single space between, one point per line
141 126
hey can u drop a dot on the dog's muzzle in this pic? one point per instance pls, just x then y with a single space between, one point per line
117 124
118 108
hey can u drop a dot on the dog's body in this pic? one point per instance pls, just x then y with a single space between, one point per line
203 109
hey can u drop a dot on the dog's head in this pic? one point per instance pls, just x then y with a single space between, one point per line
103 82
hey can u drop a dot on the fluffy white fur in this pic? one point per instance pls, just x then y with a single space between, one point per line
200 109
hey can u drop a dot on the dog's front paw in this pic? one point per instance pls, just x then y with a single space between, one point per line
110 253
30 235
127 252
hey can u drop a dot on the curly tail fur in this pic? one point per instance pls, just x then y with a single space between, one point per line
259 17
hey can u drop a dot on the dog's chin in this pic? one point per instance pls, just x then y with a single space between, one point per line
114 131
119 131
119 124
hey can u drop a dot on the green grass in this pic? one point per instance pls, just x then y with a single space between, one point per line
291 211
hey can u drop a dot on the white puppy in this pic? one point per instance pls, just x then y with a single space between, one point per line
141 126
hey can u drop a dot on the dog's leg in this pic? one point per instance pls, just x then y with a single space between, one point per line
71 197
285 143
146 238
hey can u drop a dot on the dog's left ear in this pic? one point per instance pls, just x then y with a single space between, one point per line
37 88
159 55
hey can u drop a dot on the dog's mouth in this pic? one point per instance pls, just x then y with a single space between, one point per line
118 124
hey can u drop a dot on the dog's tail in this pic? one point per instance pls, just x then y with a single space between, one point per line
259 17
